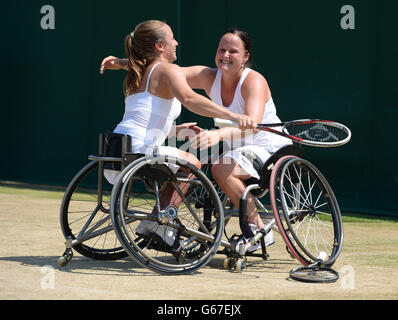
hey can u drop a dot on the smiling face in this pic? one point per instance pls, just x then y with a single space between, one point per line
169 45
231 54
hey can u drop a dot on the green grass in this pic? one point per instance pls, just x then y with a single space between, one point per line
357 217
54 192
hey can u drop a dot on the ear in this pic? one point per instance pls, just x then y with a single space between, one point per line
246 57
159 47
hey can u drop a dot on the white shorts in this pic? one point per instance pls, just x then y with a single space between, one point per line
112 175
245 163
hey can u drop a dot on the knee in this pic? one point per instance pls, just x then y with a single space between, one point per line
221 171
191 159
195 161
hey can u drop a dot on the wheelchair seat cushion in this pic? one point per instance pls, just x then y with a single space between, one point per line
250 158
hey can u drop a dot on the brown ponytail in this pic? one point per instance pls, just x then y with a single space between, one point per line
140 52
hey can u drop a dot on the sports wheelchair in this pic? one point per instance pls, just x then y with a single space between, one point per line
170 217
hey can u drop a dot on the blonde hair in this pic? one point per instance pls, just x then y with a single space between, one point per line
140 52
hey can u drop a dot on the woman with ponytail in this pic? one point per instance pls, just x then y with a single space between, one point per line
155 88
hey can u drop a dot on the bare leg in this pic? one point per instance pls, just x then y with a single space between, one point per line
229 177
169 195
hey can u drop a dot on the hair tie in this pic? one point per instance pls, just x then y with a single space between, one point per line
132 35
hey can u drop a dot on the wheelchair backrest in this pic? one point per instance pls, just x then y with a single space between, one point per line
114 145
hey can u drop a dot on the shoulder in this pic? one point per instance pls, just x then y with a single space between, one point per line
255 83
210 72
169 67
169 71
207 76
255 78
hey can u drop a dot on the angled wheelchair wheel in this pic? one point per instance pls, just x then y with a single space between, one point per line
85 217
168 221
306 211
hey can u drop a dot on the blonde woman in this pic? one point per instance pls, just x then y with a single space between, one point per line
155 88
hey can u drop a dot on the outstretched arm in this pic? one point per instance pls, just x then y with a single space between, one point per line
178 85
200 77
113 63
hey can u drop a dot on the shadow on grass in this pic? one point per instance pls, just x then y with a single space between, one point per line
126 267
83 265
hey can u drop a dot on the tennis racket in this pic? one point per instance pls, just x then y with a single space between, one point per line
318 133
316 272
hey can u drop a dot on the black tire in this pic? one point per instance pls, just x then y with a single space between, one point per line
132 209
306 211
80 203
315 273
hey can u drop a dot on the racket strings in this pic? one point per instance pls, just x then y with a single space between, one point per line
314 274
316 131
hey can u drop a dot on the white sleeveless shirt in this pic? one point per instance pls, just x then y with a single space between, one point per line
271 142
148 119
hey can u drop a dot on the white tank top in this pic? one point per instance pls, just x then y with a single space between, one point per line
271 142
148 119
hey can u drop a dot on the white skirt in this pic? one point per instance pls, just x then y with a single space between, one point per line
245 163
113 175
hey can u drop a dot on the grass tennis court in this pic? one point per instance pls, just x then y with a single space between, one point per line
32 241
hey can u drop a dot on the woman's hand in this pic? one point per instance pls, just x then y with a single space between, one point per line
243 121
112 63
205 139
187 130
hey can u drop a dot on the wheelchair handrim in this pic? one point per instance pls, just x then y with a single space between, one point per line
135 251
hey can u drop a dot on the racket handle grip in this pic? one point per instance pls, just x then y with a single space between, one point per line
221 123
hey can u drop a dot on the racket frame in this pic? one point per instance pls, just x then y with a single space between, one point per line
269 127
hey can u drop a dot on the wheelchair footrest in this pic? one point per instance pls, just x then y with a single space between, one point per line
155 242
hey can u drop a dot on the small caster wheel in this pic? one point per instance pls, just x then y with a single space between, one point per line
62 262
265 256
240 264
227 263
66 258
